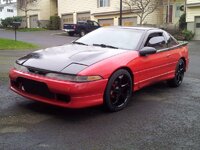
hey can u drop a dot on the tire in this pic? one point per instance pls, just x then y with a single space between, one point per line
71 33
82 33
118 91
179 74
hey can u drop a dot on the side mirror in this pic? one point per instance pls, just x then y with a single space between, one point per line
156 40
147 50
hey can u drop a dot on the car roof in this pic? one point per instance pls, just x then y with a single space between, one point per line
135 28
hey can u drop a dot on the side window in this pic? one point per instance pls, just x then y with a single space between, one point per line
170 40
90 23
156 40
96 24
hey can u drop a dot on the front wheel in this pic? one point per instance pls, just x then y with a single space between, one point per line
118 91
71 33
179 74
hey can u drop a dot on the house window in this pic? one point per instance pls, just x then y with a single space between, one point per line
1 9
170 14
9 10
103 3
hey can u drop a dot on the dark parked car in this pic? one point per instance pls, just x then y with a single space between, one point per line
81 28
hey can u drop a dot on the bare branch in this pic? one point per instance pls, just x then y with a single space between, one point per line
26 6
145 7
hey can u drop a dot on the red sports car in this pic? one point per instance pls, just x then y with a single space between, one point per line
103 67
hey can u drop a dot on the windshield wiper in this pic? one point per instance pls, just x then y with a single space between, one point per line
80 43
104 46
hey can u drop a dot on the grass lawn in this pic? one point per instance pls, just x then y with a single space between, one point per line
7 44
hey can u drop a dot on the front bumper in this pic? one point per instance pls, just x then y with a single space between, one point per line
81 94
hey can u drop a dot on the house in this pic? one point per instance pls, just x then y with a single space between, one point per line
172 11
106 12
193 17
38 12
7 9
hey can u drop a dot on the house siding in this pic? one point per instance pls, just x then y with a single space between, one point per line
191 13
44 9
65 7
3 13
193 1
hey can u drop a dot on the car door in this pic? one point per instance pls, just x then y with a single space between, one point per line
153 67
173 49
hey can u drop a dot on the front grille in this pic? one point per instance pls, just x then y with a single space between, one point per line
38 89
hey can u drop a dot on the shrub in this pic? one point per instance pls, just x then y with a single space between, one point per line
7 22
54 23
182 22
188 35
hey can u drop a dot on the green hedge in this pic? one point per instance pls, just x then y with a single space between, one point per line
188 35
7 23
182 22
54 23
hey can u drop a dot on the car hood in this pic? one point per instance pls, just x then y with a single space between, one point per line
68 58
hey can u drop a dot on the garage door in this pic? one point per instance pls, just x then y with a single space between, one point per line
197 28
106 22
34 21
129 21
23 23
67 19
83 16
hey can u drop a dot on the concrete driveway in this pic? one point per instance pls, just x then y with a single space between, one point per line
158 117
42 38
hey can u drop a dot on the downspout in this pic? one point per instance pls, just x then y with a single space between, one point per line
168 11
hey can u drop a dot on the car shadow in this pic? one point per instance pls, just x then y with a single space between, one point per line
91 112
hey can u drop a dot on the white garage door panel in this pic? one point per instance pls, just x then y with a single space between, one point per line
67 19
23 23
129 21
34 21
106 22
197 28
83 16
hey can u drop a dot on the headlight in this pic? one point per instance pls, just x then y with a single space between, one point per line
73 78
20 68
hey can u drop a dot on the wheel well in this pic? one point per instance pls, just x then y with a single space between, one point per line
183 58
129 70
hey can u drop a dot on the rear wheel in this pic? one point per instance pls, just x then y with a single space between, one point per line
82 33
179 74
118 91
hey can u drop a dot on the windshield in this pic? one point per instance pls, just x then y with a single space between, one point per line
113 37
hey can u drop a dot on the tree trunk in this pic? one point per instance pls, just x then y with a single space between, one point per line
140 21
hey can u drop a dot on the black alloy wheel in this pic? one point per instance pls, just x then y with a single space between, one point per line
118 91
179 74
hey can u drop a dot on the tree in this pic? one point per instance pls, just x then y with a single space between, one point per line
142 7
26 6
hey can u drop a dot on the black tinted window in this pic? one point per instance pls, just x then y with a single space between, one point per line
170 40
117 37
156 40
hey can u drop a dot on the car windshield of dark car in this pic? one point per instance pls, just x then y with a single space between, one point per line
122 38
